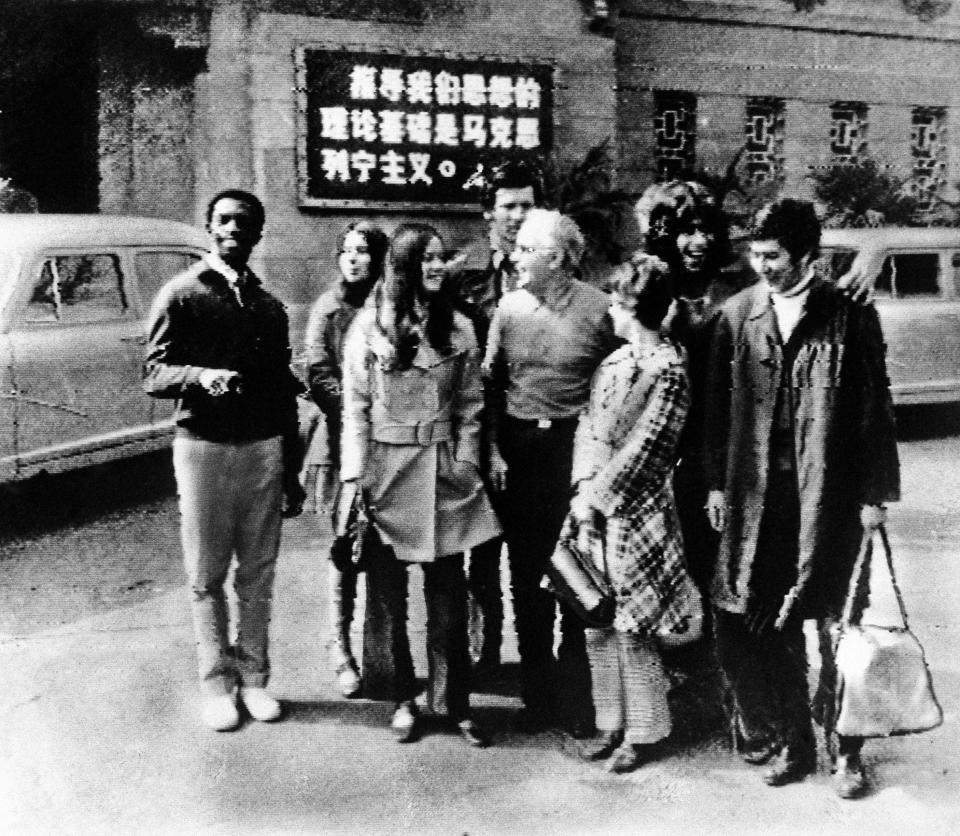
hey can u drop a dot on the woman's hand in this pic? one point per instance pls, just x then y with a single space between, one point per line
497 470
341 514
858 282
716 509
581 506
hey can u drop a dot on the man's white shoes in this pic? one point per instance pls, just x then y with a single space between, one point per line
220 712
260 705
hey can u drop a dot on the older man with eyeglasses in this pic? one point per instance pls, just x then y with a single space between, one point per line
546 339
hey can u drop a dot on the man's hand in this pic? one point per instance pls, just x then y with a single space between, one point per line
872 517
293 498
716 508
497 470
341 514
218 382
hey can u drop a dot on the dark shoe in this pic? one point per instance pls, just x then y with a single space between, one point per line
789 766
627 758
473 734
486 668
849 779
759 753
533 720
404 722
602 747
580 729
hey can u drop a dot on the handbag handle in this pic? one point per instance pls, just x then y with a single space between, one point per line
859 580
579 531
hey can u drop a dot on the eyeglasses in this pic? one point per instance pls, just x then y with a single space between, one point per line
526 250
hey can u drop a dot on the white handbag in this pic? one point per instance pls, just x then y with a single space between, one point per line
883 683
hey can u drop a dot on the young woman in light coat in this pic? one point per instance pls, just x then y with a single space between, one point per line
624 453
410 442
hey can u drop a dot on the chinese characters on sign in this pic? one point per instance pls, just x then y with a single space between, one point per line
394 130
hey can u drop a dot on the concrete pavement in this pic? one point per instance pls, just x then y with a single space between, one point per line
100 734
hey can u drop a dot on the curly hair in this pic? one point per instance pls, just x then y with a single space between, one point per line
397 296
665 210
645 284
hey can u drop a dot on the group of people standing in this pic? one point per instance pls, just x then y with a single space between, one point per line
723 436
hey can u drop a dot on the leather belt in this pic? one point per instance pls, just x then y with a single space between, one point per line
543 423
423 433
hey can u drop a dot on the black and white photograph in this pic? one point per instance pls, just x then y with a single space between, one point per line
439 417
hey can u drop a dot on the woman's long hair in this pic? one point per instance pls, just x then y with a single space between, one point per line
401 293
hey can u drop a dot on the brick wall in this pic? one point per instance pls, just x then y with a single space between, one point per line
725 52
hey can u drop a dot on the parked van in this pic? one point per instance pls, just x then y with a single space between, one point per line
917 295
75 293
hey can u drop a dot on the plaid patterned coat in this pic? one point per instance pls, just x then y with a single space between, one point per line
624 454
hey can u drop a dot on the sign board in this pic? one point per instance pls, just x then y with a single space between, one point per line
406 131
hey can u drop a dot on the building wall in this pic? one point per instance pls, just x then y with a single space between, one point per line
725 52
299 244
147 138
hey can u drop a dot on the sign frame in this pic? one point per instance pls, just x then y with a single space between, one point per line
307 201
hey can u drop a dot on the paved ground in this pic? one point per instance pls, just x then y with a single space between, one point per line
100 731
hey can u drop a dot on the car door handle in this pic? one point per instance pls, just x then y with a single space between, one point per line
139 339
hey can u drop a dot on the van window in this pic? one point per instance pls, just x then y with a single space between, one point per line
155 269
909 274
74 289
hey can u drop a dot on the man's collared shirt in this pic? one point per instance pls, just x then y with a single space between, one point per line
543 353
234 279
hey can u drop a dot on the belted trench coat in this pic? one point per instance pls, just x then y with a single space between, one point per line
412 439
844 439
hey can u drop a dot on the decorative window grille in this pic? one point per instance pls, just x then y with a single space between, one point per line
928 146
848 132
764 129
675 129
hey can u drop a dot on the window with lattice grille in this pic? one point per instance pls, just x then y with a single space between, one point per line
675 131
763 139
848 132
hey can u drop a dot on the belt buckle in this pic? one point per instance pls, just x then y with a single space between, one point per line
544 423
425 437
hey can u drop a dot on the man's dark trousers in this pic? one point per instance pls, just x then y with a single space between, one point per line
539 462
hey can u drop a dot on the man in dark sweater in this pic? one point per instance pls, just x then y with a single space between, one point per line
219 344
